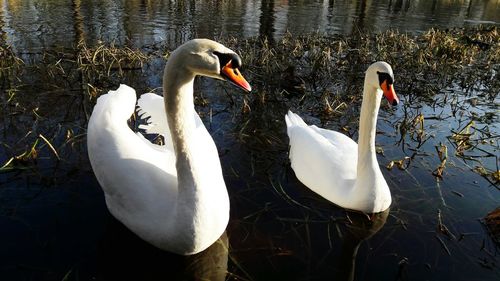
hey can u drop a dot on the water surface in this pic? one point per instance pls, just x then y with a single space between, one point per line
53 220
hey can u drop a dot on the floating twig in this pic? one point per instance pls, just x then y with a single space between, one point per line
50 146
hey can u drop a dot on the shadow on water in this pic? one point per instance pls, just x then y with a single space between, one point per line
121 255
361 227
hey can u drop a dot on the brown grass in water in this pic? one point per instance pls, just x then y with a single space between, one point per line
9 61
315 72
103 58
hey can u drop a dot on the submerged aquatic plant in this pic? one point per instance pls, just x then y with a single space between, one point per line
9 61
321 75
22 160
462 139
437 68
442 151
309 66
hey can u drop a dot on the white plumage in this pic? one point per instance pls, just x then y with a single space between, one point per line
336 167
172 196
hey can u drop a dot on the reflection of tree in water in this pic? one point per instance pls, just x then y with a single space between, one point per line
266 29
78 22
360 22
3 35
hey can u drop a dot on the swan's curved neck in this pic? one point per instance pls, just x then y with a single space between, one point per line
179 106
367 158
178 96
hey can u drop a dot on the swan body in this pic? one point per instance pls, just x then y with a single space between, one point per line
172 196
336 167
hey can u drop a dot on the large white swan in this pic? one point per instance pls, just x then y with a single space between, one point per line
333 165
172 196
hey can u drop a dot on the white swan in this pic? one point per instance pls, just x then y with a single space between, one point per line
333 165
172 196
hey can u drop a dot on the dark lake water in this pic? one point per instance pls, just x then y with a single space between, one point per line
53 221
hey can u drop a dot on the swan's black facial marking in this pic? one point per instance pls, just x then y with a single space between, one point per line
383 76
225 58
229 65
386 81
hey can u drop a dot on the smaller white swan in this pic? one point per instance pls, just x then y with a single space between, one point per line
172 196
333 165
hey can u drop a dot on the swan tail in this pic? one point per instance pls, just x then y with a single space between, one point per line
293 120
151 107
119 104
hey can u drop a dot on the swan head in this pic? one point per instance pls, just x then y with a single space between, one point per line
209 58
379 75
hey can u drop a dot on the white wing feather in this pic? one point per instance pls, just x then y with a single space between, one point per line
324 160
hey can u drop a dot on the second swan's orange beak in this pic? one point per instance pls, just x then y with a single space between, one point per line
234 76
389 93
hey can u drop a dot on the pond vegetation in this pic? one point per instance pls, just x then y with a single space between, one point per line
443 76
313 70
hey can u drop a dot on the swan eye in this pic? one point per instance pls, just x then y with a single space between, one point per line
383 76
225 58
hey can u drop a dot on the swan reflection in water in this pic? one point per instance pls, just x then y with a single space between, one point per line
359 228
124 256
121 255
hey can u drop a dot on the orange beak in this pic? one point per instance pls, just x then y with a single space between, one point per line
234 76
389 93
